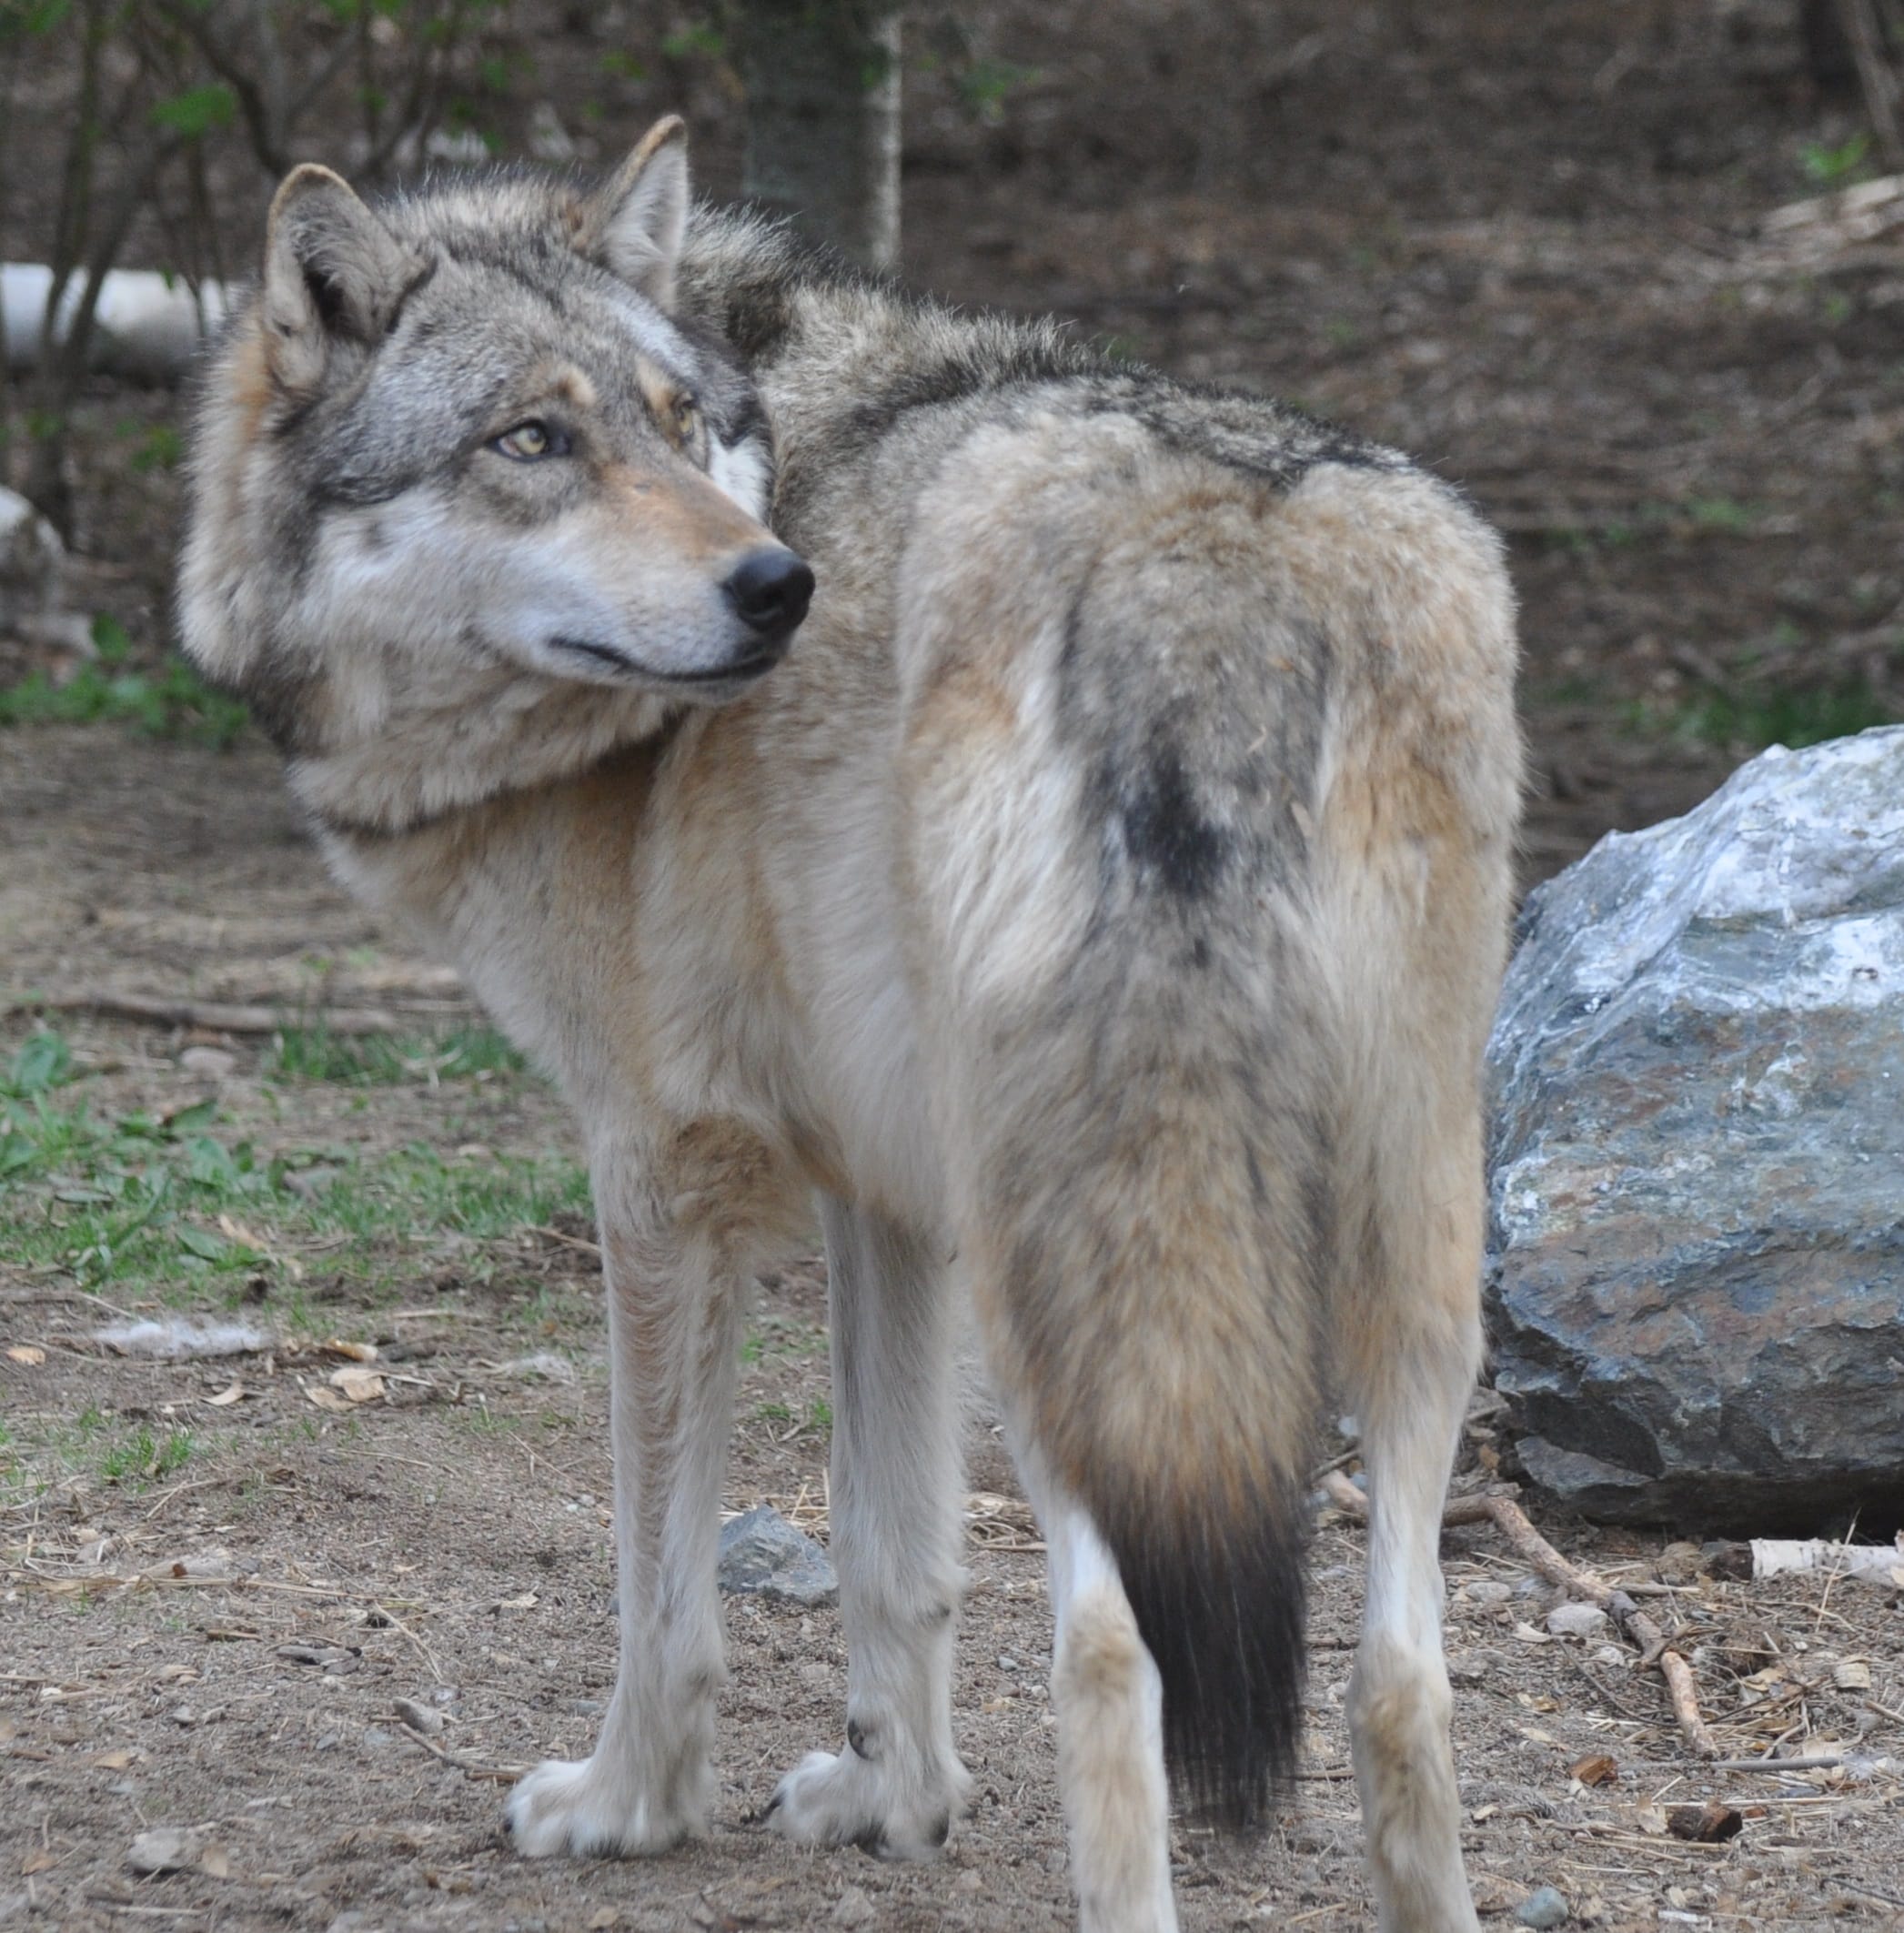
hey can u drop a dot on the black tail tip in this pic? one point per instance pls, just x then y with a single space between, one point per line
1222 1616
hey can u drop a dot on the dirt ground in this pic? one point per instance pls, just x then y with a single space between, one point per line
1529 244
446 1542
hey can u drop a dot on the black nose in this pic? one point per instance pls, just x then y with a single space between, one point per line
770 590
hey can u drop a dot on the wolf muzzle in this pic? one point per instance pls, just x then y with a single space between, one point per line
770 590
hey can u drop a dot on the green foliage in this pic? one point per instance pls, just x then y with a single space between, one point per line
1832 167
172 701
986 87
44 1061
1749 720
198 111
314 1054
175 1208
700 39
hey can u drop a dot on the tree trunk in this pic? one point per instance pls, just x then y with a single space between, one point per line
822 120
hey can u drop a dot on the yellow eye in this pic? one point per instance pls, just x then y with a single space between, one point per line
531 441
686 417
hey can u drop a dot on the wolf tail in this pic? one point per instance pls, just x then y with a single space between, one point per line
1114 805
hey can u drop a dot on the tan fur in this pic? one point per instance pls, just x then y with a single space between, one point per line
1111 891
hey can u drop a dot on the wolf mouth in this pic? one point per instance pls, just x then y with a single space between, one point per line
752 666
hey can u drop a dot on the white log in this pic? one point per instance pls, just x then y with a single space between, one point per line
1881 1563
147 326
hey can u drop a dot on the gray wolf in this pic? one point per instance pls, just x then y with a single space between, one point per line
1098 914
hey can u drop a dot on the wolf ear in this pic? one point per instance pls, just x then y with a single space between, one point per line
333 273
634 222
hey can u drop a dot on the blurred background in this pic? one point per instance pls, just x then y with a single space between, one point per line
1632 272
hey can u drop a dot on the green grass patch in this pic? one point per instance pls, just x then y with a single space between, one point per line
184 1209
170 702
1751 720
314 1054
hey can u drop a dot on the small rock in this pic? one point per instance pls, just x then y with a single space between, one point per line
214 1063
163 1849
854 1908
1546 1908
425 1719
1610 1656
1578 1620
761 1550
376 1739
311 1182
1007 1664
1486 1591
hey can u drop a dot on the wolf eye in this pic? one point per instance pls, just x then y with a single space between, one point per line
531 442
684 417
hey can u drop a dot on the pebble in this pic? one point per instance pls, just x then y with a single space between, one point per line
1578 1620
311 1182
1486 1590
1546 1908
163 1849
213 1061
854 1908
425 1719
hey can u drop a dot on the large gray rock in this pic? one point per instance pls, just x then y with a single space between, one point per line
1695 1283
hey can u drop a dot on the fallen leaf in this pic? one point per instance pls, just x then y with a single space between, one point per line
354 1351
1711 1824
26 1353
327 1399
226 1397
1853 1674
236 1232
116 1760
603 1916
1596 1769
1527 1634
358 1385
214 1862
38 1860
1650 1818
527 1602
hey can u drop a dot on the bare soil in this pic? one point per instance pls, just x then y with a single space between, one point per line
448 1543
1526 242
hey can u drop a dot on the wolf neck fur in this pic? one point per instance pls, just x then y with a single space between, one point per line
415 763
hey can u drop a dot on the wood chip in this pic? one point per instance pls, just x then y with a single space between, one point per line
1711 1824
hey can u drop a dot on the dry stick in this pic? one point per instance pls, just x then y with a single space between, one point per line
1539 1555
468 1767
215 1016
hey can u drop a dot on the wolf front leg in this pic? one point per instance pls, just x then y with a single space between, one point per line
895 1521
677 1260
1109 1701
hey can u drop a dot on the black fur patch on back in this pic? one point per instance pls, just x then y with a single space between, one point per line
1167 835
1221 1610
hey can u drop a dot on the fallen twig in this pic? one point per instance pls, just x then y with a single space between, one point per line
468 1767
214 1016
1539 1555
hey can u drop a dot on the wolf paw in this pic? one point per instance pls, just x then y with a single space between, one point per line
579 1807
843 1799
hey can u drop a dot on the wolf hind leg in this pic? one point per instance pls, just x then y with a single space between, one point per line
677 1291
1408 1369
1108 1698
895 1786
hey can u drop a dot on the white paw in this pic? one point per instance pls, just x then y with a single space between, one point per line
843 1799
563 1807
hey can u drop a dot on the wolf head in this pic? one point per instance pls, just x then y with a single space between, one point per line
469 502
